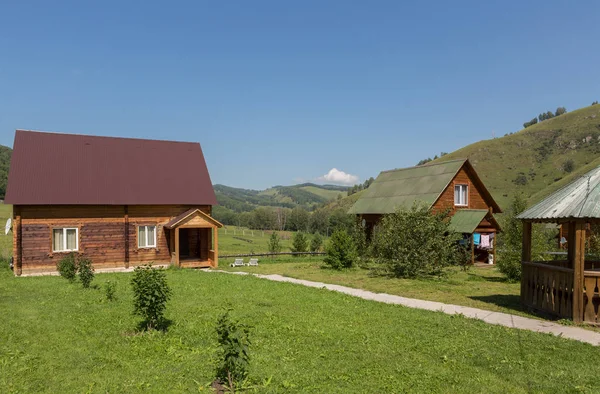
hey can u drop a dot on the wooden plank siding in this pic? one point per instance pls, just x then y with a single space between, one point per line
107 234
475 198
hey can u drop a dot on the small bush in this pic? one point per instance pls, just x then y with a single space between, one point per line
415 242
274 243
67 267
341 251
150 294
316 243
300 242
110 290
86 272
233 359
568 165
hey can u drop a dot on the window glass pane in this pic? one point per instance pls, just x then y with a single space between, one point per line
71 239
151 230
463 199
57 239
141 237
456 195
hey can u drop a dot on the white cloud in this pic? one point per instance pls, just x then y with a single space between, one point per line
339 177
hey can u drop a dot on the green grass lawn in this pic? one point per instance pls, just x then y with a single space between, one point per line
5 240
483 288
57 337
236 240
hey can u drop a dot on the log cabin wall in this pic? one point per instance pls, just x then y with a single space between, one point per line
102 233
475 198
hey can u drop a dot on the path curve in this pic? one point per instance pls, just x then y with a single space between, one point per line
499 318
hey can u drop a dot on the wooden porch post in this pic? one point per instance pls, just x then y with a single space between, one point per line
577 249
216 247
126 229
177 263
472 249
526 251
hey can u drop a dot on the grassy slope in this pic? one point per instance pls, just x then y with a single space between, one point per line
304 339
538 152
325 193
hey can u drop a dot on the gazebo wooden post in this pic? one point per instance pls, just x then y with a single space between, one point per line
526 250
577 261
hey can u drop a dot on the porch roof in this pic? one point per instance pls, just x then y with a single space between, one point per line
187 219
467 220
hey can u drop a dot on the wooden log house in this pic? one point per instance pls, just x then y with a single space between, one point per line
565 288
452 185
120 202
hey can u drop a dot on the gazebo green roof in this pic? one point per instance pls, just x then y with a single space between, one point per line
578 200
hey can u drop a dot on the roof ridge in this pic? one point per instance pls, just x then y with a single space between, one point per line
102 136
424 165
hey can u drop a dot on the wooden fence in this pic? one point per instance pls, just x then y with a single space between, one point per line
273 254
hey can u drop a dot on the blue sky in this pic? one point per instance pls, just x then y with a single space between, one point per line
279 92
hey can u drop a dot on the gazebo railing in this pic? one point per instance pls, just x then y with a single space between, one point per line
591 296
547 288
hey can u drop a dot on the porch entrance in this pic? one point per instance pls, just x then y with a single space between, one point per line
193 239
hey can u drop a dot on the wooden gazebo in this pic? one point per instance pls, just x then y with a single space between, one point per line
567 288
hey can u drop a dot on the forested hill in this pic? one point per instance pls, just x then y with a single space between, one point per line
5 153
539 159
306 195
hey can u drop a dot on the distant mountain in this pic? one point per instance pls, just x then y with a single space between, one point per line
539 159
306 195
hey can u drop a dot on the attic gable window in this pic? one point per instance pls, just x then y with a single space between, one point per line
65 239
461 193
146 236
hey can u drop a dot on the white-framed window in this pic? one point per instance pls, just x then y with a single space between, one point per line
146 236
65 239
461 193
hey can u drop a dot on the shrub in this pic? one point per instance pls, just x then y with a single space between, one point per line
568 165
510 241
274 243
86 272
299 243
67 267
150 294
316 242
110 289
415 242
233 359
341 252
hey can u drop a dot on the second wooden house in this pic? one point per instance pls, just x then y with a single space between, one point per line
451 185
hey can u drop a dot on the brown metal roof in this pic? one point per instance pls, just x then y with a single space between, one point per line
54 168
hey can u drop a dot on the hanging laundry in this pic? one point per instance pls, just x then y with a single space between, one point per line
485 241
476 238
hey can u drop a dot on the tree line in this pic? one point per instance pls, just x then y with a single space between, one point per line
361 186
425 161
545 116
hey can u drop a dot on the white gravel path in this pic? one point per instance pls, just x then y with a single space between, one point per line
503 319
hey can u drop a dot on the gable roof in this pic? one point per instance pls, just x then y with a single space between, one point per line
580 199
401 188
54 168
190 213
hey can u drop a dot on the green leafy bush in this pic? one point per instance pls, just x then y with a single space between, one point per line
415 242
341 252
233 359
67 267
274 243
510 241
86 272
299 242
110 290
316 242
150 294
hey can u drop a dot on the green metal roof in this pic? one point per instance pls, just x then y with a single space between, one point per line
580 199
403 187
467 220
